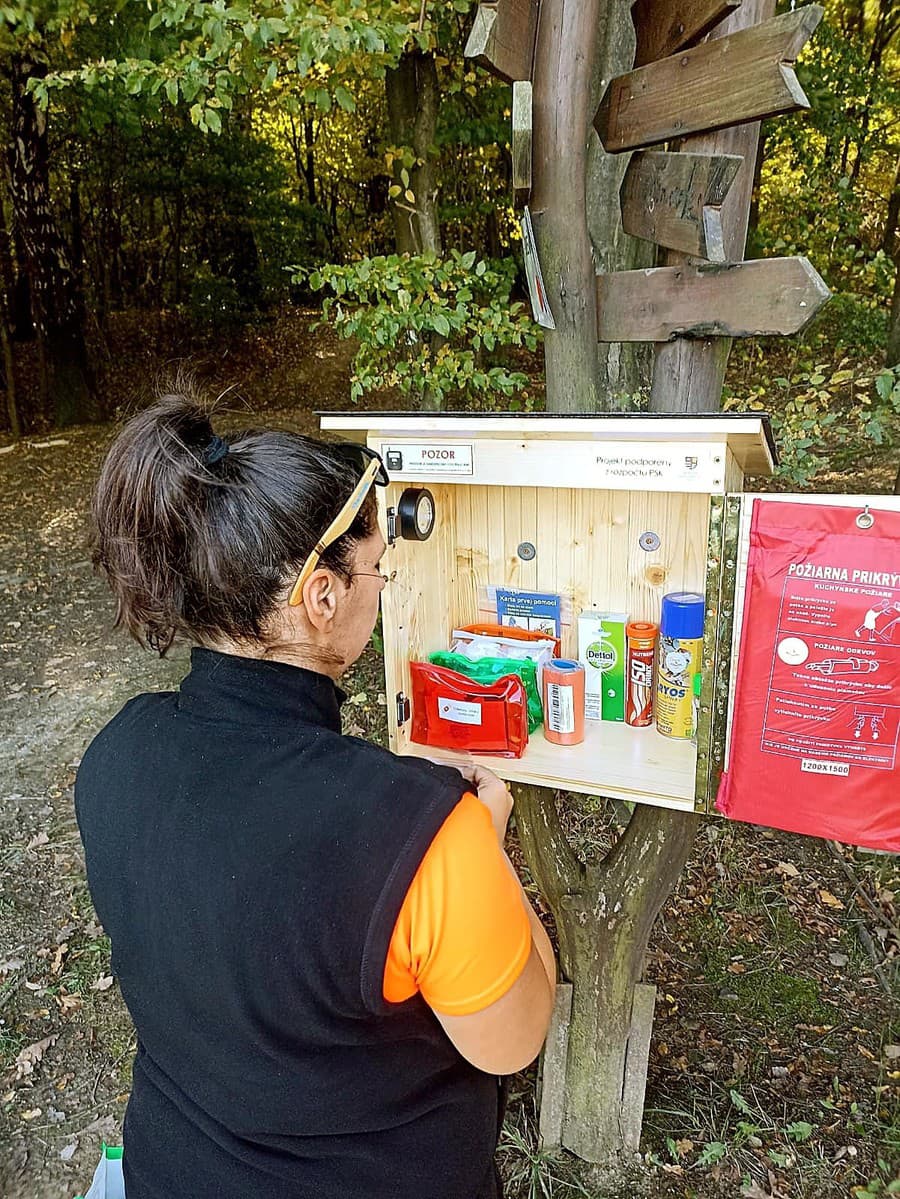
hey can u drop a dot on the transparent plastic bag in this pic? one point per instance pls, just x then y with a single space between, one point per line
489 670
108 1181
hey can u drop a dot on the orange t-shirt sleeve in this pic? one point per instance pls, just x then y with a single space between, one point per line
462 937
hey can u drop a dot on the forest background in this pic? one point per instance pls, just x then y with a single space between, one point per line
179 174
207 183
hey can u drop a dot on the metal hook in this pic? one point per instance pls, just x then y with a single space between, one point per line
865 519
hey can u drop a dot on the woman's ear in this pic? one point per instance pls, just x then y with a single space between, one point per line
320 599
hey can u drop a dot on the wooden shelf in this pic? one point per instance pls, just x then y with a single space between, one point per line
638 765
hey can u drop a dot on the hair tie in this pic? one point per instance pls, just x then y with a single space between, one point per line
215 451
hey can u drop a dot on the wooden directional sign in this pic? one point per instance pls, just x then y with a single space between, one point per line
521 141
502 38
726 81
664 26
761 298
675 200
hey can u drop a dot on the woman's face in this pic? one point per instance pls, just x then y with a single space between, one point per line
359 608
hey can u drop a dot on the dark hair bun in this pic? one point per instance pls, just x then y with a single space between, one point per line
201 542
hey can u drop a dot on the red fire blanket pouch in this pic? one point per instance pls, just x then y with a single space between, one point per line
814 734
454 712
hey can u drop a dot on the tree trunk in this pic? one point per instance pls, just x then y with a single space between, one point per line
604 913
889 242
565 51
604 917
7 283
624 368
412 102
892 358
891 246
688 373
59 307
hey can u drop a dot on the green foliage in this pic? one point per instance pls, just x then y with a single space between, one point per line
827 417
427 325
205 54
823 167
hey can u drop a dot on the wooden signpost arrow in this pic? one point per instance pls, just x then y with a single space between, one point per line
726 81
662 27
502 38
760 298
675 200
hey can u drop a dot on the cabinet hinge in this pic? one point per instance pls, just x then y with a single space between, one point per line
403 708
391 525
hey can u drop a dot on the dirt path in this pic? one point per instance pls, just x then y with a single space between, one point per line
65 1037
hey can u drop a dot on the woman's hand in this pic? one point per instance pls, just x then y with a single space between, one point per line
493 793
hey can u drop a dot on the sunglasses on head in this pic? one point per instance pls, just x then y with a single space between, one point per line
372 471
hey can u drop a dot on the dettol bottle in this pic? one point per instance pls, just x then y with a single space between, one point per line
680 650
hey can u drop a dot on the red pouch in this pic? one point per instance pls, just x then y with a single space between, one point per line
450 711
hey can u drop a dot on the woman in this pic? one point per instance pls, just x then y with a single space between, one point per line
326 954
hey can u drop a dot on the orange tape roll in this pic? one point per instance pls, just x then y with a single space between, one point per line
563 695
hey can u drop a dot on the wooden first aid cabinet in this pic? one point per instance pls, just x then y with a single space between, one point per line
611 512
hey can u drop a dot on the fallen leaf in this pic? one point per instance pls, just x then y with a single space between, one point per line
29 1057
103 983
69 1003
40 839
11 964
736 968
66 1154
106 1127
830 900
31 1114
58 956
891 1052
787 869
838 959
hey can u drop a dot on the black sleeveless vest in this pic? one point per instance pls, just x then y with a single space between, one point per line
248 863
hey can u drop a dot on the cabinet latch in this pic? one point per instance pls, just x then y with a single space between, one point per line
391 525
403 708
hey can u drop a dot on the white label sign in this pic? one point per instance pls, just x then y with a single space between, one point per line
816 766
431 459
458 711
627 467
560 708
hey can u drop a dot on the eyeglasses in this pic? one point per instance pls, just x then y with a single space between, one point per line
373 471
364 574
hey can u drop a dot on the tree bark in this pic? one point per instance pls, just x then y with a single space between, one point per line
567 39
412 101
604 913
624 368
891 247
892 357
7 284
688 373
59 307
604 917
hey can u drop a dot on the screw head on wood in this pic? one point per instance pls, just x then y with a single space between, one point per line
649 541
526 551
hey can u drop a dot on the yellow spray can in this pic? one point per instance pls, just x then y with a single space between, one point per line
680 659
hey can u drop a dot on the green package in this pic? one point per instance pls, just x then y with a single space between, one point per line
488 670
